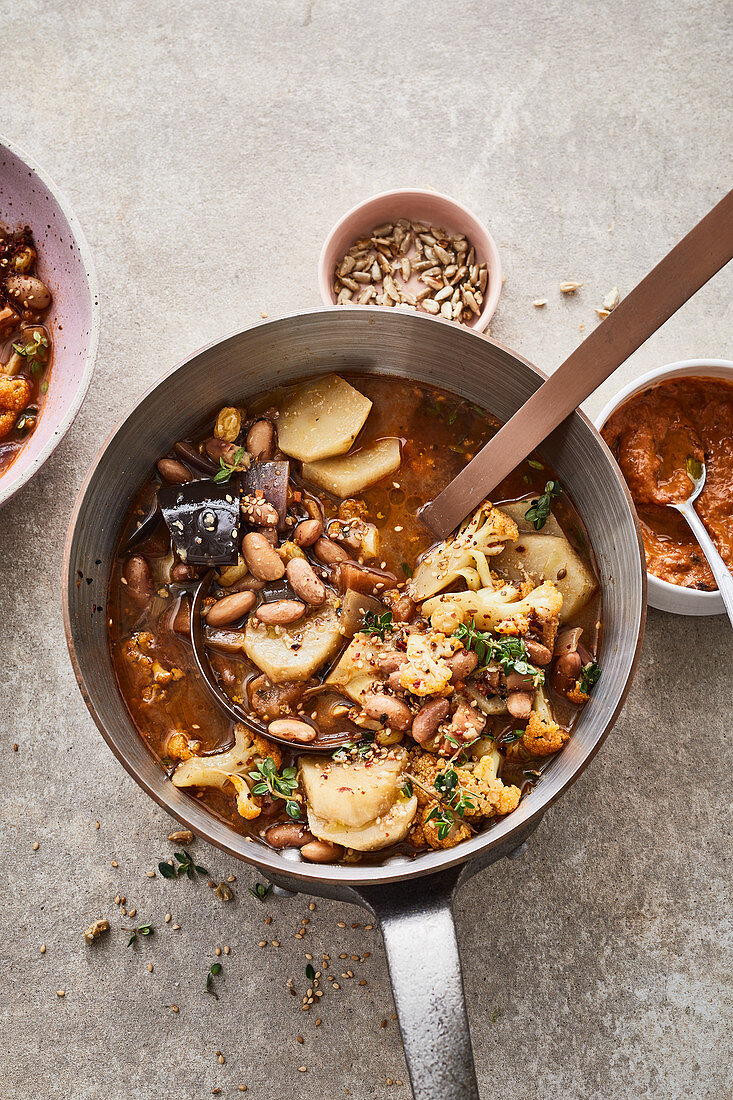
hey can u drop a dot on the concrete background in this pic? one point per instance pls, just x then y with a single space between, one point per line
207 148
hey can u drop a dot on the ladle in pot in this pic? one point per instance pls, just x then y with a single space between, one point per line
222 700
690 264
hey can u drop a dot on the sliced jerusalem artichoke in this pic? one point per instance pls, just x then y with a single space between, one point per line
294 652
358 804
351 474
552 558
357 670
321 418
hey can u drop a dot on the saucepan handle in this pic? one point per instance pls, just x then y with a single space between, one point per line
425 968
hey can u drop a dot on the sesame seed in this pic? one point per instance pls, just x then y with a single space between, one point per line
150 874
43 949
114 863
218 951
60 992
36 845
262 943
167 918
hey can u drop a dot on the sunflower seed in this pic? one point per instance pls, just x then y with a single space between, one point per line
538 303
433 283
443 254
366 295
383 230
441 295
483 278
569 287
345 295
446 311
422 294
471 301
611 300
430 305
376 272
603 313
406 268
450 271
405 243
390 288
361 277
347 264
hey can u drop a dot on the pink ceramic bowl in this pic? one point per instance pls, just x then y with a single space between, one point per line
28 197
428 207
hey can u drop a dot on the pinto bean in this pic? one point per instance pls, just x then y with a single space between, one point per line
173 471
462 664
364 578
539 654
247 583
519 704
291 729
304 582
139 577
329 552
28 292
220 449
230 608
566 671
181 572
393 680
262 561
428 718
321 851
391 662
307 532
261 440
519 681
280 612
288 835
386 708
258 512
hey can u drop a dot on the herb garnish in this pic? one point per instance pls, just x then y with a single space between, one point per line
406 569
34 351
364 746
511 653
310 972
694 468
141 930
589 675
534 464
186 867
377 624
538 512
226 470
214 969
407 789
260 891
267 780
510 737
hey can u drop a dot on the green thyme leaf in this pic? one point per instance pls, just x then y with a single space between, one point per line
589 675
538 512
310 972
534 464
260 890
377 625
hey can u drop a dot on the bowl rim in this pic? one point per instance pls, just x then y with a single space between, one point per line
10 485
493 259
336 875
708 601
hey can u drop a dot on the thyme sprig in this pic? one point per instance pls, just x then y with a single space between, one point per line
377 625
451 797
35 351
186 866
538 512
214 969
510 653
141 930
266 780
226 469
590 674
260 890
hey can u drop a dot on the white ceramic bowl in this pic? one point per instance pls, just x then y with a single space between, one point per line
428 207
662 594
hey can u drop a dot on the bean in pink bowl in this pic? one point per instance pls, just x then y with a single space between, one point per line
50 312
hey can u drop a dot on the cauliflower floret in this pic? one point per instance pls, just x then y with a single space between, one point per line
465 553
500 610
14 395
543 735
425 671
229 767
484 796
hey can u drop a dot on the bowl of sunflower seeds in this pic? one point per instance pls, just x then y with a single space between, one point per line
417 250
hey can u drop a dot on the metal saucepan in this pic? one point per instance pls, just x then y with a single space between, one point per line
410 898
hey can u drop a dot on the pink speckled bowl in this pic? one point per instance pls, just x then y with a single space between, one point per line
28 197
428 207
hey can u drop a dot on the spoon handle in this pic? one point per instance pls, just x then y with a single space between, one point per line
690 264
720 570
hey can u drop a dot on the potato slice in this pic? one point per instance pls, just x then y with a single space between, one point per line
359 805
294 652
550 557
351 474
321 418
356 670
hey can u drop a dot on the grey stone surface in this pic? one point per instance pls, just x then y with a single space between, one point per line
207 148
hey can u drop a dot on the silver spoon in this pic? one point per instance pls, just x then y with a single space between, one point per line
696 471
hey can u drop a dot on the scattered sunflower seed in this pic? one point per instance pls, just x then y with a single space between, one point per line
538 303
181 836
611 300
570 287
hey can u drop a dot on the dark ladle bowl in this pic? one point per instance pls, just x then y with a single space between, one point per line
410 897
219 696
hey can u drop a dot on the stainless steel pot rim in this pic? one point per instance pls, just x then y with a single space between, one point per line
216 832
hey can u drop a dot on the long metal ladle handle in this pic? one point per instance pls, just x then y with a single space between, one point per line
697 257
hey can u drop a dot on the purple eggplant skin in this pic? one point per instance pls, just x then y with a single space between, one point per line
203 520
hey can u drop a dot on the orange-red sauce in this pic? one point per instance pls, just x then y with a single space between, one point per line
652 435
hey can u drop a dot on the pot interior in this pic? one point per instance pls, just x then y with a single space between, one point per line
367 340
